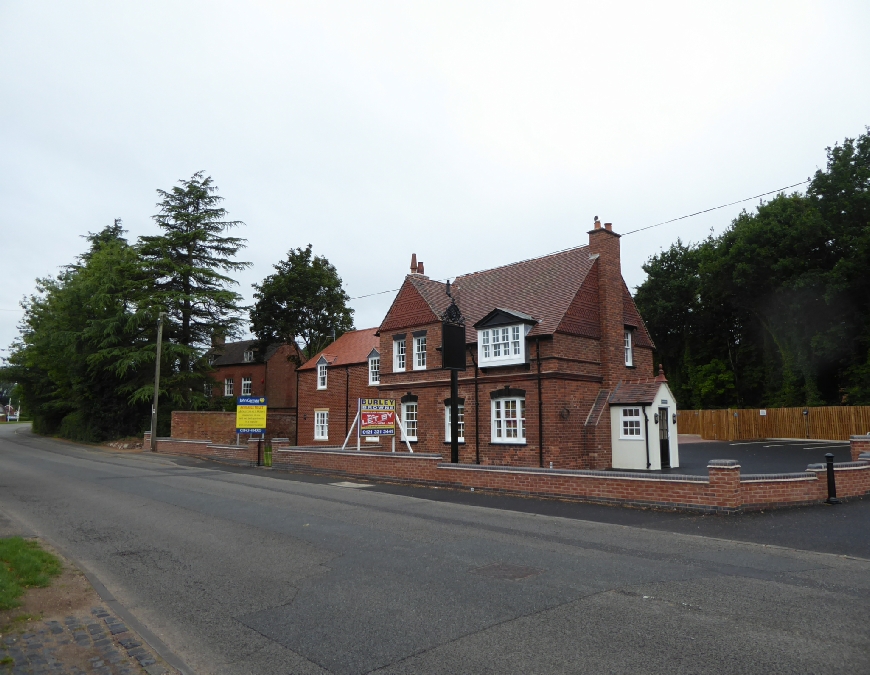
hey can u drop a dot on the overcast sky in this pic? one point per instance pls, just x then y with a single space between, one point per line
471 134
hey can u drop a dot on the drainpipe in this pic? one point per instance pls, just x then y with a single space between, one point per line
540 407
646 435
476 413
296 373
347 399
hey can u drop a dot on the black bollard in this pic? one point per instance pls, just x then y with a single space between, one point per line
832 485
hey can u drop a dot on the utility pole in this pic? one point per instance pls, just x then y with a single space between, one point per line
156 382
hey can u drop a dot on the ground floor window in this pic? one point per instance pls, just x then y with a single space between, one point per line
630 423
321 425
246 386
509 420
409 420
461 423
208 389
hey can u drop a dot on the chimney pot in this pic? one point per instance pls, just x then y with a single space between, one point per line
413 263
608 227
597 223
419 268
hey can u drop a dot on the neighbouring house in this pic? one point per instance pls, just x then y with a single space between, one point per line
557 354
331 382
241 370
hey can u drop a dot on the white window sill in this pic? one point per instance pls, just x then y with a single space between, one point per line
631 438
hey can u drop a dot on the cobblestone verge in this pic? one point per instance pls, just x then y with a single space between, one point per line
98 644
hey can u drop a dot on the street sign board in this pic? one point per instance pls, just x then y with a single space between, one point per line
251 415
377 417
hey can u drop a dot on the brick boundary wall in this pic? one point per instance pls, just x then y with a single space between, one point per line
723 490
859 444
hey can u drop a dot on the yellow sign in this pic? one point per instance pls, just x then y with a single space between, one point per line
251 414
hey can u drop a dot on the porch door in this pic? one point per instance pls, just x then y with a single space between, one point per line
664 438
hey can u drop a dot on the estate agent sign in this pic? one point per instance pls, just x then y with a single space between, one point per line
251 415
377 417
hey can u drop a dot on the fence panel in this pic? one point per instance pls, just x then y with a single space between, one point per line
821 423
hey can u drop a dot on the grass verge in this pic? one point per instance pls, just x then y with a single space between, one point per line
23 564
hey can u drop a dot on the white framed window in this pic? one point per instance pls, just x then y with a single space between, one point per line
420 353
211 359
321 425
629 356
630 426
409 420
461 412
208 389
249 355
321 375
228 387
399 354
503 345
246 386
374 369
509 420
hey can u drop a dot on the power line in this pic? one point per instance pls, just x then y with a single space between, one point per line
698 213
625 234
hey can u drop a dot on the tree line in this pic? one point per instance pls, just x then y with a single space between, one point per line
775 311
85 357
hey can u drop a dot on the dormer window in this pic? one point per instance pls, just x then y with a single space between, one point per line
629 354
374 367
501 337
321 373
249 355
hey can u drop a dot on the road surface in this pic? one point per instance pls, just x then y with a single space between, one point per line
242 572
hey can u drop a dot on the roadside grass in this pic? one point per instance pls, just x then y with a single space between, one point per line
23 564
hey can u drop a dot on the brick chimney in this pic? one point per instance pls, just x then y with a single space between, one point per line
604 243
413 263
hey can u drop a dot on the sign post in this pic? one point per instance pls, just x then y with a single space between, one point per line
251 418
453 359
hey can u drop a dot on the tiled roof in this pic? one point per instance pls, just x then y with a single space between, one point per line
232 353
635 392
352 347
542 288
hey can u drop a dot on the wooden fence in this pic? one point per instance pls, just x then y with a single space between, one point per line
823 423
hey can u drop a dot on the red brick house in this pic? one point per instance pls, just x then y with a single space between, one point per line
549 340
331 382
240 370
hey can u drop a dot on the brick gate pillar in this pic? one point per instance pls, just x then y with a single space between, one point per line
725 489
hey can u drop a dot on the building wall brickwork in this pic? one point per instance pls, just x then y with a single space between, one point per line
344 385
220 427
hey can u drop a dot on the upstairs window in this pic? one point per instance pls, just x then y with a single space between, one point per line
399 354
228 387
321 374
629 356
630 424
246 386
374 369
420 353
249 355
503 345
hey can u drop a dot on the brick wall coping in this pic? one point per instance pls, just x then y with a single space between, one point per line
169 439
280 440
729 463
865 456
839 465
228 447
764 477
362 453
587 473
860 437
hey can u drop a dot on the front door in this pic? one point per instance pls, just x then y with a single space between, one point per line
664 439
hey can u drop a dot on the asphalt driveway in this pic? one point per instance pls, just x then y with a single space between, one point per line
768 456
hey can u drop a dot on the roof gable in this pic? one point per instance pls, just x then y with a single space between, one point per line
418 302
504 317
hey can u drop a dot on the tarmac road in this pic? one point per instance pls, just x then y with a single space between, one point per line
238 572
